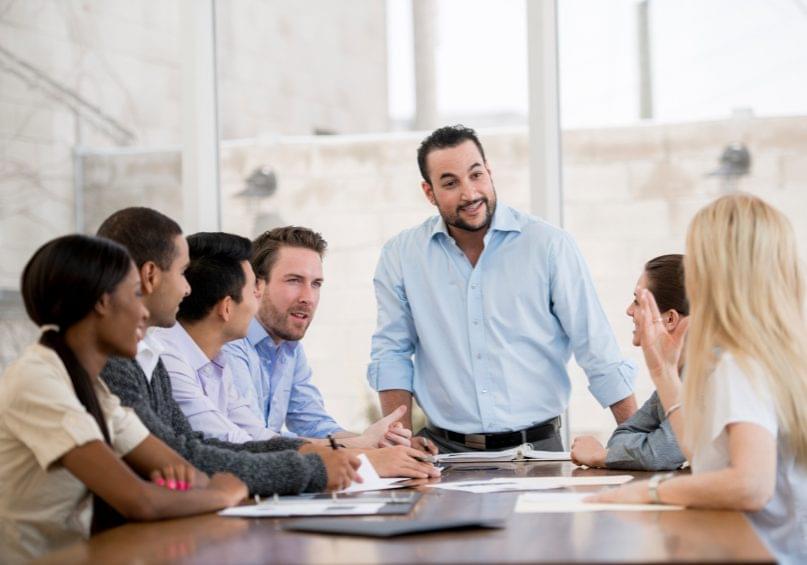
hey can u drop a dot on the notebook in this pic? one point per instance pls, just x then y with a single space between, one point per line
523 452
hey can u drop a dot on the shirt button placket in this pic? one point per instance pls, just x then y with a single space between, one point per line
477 342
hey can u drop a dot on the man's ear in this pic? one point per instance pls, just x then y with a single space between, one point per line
150 275
428 190
224 309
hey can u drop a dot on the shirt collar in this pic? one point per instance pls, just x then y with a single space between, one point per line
148 352
150 343
503 220
188 348
257 333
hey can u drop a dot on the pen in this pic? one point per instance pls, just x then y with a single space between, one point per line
427 444
333 442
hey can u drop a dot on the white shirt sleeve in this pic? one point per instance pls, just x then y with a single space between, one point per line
740 394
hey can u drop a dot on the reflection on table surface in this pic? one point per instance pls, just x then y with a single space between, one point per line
689 535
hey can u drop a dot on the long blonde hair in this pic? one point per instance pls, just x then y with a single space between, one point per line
745 292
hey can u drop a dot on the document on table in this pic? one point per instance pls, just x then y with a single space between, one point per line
502 484
371 480
272 509
320 505
536 502
523 452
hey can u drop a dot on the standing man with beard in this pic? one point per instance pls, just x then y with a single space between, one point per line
491 303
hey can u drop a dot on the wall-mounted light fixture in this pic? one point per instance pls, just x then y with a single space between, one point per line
735 162
260 183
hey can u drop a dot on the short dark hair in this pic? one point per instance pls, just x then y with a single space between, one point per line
266 246
665 279
446 136
214 272
146 233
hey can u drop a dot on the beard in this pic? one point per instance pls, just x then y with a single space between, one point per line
455 220
278 324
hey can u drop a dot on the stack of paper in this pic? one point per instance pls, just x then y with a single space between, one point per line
523 452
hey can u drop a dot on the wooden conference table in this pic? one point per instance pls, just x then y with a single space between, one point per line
688 535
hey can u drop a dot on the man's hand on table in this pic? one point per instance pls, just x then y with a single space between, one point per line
586 450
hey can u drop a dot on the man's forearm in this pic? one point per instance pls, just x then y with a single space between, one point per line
349 439
392 399
624 409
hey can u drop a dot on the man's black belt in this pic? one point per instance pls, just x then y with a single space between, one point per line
502 440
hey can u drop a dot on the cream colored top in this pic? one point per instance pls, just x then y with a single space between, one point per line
734 395
41 419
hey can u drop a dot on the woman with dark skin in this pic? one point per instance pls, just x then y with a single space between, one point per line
72 459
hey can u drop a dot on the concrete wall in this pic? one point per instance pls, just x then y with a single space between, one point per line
629 194
321 65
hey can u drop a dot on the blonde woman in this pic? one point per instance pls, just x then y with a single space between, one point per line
743 403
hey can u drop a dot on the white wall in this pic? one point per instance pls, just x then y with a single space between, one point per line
281 66
629 195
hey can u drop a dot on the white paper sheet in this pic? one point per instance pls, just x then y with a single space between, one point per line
371 480
536 502
269 509
503 484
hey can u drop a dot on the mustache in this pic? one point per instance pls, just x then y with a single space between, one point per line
473 203
301 310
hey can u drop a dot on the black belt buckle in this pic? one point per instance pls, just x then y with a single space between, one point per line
476 441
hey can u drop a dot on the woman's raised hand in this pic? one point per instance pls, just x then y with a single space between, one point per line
662 348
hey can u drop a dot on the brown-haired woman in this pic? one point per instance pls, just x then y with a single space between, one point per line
646 441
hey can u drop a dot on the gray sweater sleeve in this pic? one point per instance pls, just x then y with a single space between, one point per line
645 441
278 443
266 469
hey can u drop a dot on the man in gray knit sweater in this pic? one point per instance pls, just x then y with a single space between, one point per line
280 465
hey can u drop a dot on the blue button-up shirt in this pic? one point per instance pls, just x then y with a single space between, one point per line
277 378
491 342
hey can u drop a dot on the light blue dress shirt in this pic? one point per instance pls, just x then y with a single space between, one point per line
204 390
278 380
491 342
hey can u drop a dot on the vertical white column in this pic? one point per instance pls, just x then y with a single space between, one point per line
546 192
645 60
201 197
424 24
546 189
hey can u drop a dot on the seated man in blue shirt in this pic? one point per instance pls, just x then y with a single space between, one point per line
269 366
479 310
225 298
